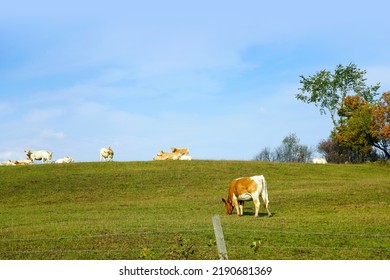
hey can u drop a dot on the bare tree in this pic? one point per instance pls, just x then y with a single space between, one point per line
289 151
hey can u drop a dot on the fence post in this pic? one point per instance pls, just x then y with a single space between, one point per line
219 238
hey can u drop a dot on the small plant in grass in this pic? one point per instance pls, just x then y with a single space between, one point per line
255 245
182 250
147 253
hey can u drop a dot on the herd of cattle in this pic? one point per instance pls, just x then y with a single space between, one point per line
108 154
105 154
175 154
239 191
32 156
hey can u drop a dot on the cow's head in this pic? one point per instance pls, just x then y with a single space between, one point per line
229 206
28 153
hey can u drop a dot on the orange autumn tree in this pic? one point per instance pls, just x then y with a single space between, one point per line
380 126
361 122
364 126
354 129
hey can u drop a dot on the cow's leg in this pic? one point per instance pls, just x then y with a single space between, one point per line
256 202
266 202
235 203
241 206
269 213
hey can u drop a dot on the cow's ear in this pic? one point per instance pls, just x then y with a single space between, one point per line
223 200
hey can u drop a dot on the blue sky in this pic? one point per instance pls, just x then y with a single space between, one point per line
218 77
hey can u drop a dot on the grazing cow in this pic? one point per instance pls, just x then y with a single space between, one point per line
64 160
39 155
317 160
246 189
183 151
106 153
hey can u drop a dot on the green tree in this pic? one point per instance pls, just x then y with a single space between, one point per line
327 90
363 131
354 131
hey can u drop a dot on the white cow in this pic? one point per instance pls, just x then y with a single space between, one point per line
106 153
64 160
45 156
185 157
318 160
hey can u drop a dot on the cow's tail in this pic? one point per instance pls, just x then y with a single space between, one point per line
264 193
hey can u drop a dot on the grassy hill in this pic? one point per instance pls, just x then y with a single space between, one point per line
163 210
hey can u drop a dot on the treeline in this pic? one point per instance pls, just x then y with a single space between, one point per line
289 151
361 120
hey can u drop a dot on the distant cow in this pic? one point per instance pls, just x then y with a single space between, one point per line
8 162
161 155
183 151
45 156
317 160
23 162
246 189
185 157
106 153
67 159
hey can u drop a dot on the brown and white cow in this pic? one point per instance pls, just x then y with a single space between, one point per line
167 156
246 189
106 153
183 151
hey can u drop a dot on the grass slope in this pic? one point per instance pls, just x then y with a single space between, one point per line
163 210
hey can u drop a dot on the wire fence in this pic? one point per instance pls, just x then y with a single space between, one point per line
20 246
194 231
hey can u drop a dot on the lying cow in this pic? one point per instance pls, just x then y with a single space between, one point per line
23 162
45 156
246 189
106 153
64 160
8 162
317 160
185 157
161 155
182 151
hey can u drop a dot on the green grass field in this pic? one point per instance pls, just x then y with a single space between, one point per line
164 209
